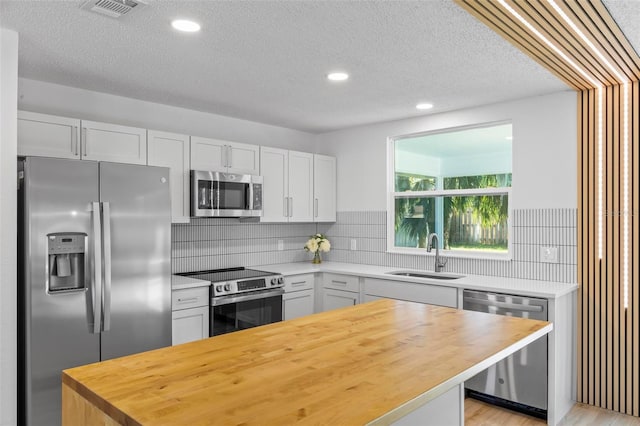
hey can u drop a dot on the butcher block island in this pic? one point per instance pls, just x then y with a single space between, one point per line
376 363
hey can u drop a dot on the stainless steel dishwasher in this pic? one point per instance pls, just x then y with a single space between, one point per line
518 382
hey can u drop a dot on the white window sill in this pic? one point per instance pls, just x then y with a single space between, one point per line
464 254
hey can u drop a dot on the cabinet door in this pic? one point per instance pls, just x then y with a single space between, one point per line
324 188
273 169
297 304
208 154
300 187
243 158
188 325
114 143
334 299
172 150
48 135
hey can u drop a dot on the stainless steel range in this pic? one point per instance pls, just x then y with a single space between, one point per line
242 298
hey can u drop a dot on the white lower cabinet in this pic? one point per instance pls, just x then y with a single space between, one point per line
297 304
189 325
339 291
334 299
190 315
298 299
422 293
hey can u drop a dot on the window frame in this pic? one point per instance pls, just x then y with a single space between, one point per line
392 195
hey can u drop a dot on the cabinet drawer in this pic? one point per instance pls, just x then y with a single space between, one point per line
298 282
340 282
189 298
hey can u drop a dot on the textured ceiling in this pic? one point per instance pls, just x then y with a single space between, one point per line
626 13
266 60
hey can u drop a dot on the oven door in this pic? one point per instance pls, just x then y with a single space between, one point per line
237 312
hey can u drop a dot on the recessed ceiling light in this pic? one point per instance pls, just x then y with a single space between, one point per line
185 25
423 106
338 76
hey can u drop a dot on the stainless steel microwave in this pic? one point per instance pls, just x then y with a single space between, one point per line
219 194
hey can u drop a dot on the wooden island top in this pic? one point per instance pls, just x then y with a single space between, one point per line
373 362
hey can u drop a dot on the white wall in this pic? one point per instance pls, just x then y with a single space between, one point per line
8 332
544 151
48 98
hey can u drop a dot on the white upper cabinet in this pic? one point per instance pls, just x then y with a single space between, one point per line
274 164
224 156
62 137
172 150
287 189
324 188
300 187
112 142
48 135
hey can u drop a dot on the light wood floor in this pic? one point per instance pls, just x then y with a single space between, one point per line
477 413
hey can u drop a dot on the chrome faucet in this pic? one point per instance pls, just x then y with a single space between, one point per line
440 261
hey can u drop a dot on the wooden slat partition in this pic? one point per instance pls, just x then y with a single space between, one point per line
608 359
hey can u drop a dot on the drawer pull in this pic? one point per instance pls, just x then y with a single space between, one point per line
339 282
299 283
189 299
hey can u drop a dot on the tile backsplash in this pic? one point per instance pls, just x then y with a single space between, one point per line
212 243
532 230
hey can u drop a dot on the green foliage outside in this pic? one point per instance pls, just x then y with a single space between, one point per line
415 217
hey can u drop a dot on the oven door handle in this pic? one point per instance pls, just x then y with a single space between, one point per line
226 300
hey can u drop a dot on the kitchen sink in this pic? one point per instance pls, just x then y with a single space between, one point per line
428 275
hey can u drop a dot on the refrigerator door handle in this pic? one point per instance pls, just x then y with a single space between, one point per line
96 282
106 298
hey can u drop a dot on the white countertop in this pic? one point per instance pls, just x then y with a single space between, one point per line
533 288
180 283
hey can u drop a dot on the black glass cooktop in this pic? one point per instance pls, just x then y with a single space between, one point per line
223 275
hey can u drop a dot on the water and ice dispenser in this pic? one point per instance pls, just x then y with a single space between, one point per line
66 261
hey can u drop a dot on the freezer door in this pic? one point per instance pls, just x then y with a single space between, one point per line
56 200
137 243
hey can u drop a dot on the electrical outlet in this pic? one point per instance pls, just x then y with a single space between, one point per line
549 254
280 245
353 245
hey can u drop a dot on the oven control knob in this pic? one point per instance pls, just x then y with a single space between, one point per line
280 280
227 287
219 288
274 281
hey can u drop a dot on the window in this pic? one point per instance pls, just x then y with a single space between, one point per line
454 183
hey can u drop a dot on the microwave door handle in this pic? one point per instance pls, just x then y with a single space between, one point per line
96 279
249 196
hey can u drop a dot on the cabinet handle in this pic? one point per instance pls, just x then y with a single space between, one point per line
229 156
83 148
299 283
315 207
286 207
290 206
339 282
74 140
189 299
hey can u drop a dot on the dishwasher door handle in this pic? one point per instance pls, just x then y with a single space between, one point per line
504 305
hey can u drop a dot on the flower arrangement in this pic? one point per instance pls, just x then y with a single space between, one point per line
316 244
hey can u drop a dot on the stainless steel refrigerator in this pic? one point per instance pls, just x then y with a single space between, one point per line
95 271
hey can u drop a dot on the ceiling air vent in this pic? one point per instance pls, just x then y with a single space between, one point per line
113 8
